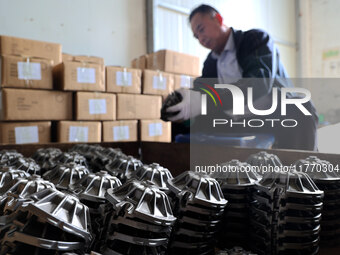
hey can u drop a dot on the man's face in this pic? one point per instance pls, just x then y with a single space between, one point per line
207 30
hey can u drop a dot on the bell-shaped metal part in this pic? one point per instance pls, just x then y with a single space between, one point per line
51 222
291 182
264 158
71 157
64 175
319 170
104 157
45 157
236 175
86 150
155 174
61 210
26 164
24 187
7 156
93 187
143 201
8 174
201 188
123 167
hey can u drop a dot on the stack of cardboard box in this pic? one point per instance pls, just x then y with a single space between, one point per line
163 72
85 77
132 106
87 101
27 102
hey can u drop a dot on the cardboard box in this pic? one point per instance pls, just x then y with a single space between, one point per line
155 131
132 107
140 63
25 132
79 131
120 131
182 81
79 75
20 72
33 104
157 83
123 80
95 106
25 47
67 57
174 62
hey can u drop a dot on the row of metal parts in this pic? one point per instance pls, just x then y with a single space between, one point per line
131 208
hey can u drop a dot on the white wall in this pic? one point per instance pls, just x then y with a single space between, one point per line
112 29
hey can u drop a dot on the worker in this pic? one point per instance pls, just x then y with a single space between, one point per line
245 59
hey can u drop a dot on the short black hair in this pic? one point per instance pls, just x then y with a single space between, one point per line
203 8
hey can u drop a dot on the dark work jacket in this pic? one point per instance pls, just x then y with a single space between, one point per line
255 54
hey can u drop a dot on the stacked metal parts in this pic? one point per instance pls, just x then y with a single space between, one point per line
326 179
237 181
99 199
264 161
198 204
286 214
91 190
141 220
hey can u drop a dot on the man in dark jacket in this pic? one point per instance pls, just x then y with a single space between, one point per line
245 59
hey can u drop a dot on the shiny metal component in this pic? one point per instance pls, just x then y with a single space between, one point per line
24 187
45 157
71 157
123 167
319 170
52 221
236 175
141 219
7 156
88 151
198 188
155 174
286 214
55 207
199 205
66 174
327 179
26 164
262 159
93 187
104 157
237 180
143 201
8 174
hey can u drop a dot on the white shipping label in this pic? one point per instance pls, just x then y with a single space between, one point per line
86 75
26 134
97 106
121 133
155 129
159 82
29 71
78 134
185 81
124 78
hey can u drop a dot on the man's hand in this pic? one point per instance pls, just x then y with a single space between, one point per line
189 107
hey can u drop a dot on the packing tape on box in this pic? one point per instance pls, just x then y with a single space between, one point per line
159 82
124 78
121 133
